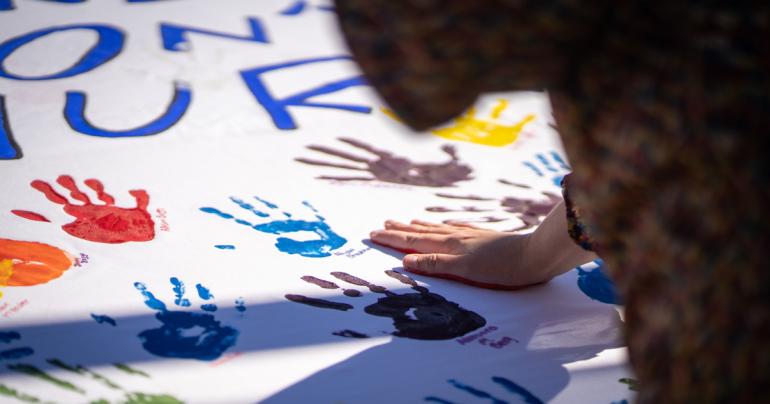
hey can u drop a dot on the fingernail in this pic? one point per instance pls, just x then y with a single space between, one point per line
374 234
410 261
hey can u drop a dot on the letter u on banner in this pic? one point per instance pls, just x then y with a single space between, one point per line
75 108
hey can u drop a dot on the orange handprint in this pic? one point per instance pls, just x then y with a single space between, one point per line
26 263
105 223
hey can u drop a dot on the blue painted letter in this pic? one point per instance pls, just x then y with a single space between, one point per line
109 45
277 108
8 147
74 113
175 40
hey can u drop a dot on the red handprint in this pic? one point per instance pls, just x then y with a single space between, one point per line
105 223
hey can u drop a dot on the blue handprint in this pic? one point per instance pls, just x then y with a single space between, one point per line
186 334
14 353
299 6
507 384
555 166
328 240
596 285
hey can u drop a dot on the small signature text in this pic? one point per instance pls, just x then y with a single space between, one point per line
162 215
352 253
83 259
481 338
11 309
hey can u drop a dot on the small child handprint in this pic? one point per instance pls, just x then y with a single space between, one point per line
327 240
553 166
423 315
186 334
105 223
388 167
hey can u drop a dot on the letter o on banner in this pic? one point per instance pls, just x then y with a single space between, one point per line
108 46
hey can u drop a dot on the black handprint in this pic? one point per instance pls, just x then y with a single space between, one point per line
390 168
423 315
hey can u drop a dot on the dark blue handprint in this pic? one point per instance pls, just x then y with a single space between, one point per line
327 241
507 384
554 166
186 334
8 337
596 285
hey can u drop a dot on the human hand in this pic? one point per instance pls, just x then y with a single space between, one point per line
461 252
486 258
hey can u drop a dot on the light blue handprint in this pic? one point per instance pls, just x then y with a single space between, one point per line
523 394
186 334
551 164
596 285
327 241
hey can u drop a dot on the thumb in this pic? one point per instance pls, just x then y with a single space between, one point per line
429 264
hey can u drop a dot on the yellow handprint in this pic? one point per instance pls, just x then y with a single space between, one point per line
468 128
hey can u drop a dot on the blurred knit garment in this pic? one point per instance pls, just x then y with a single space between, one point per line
664 110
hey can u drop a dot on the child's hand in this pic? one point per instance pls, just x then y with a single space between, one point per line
485 258
461 252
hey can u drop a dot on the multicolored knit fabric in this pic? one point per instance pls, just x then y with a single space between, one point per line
664 110
576 227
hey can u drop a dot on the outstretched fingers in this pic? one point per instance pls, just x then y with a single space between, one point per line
46 189
406 280
141 197
338 153
451 151
414 242
442 265
67 182
363 146
454 225
417 227
327 164
149 299
98 187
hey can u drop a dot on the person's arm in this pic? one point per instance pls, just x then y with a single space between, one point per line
486 258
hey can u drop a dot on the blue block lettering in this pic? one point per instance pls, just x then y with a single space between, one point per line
74 113
278 108
108 46
175 38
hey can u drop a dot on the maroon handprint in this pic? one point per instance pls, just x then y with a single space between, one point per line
387 167
105 223
530 211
